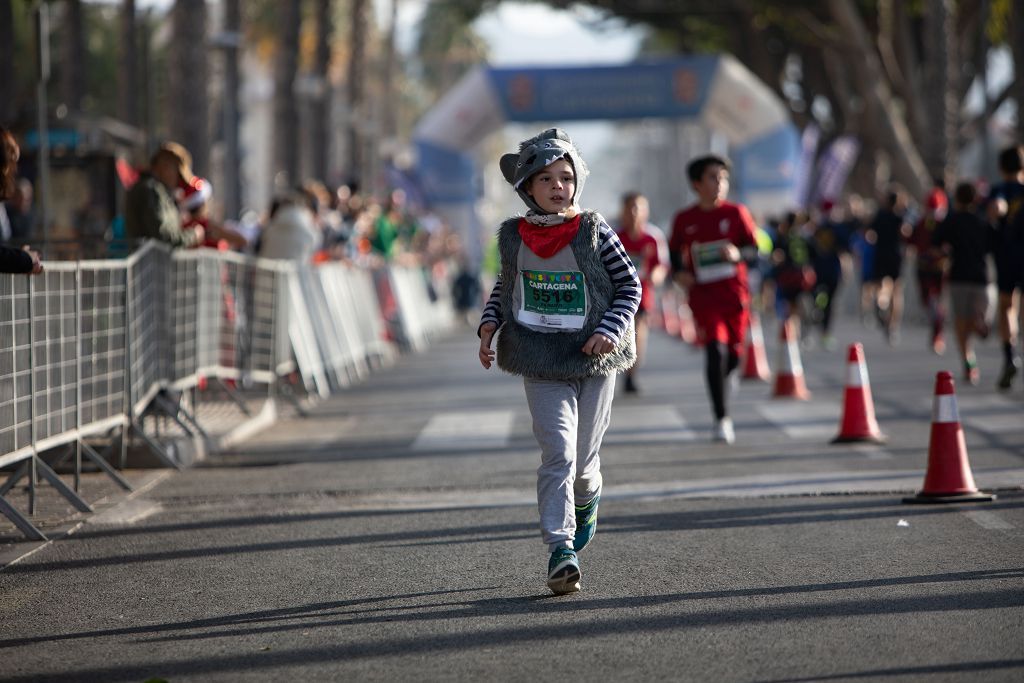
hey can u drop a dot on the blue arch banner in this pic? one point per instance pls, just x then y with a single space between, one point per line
676 89
716 91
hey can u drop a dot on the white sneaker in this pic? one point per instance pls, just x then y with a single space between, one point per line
724 431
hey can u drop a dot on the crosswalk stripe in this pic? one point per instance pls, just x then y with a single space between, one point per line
803 420
465 430
987 520
646 424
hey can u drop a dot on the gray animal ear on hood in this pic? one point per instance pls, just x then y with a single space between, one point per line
507 163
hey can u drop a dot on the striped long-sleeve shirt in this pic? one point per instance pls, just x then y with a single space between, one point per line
623 275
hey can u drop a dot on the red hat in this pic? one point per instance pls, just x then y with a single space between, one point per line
936 199
195 193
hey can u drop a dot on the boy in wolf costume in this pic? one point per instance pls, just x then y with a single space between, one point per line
564 302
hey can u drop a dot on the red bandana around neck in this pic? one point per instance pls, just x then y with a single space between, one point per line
546 240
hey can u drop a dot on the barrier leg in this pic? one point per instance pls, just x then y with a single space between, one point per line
26 527
13 480
155 446
61 487
102 463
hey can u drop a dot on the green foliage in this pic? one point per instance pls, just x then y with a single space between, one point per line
998 27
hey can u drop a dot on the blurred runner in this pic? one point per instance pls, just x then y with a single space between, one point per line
645 244
1004 211
931 274
705 250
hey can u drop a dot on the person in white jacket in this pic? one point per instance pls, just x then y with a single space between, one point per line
291 233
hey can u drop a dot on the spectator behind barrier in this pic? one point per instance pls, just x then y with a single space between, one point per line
13 260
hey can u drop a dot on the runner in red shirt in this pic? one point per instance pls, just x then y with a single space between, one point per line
645 244
705 251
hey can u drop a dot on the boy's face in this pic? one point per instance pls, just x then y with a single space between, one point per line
713 185
554 187
635 211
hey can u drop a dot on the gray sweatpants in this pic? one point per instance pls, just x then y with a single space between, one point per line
569 420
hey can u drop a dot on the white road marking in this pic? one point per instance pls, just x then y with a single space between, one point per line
997 424
467 430
129 512
803 419
987 520
646 424
873 451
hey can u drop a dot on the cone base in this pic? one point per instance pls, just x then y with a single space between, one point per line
868 438
939 498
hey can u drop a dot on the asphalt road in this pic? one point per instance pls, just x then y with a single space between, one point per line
393 536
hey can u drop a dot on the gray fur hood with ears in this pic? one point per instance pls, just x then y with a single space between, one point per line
536 153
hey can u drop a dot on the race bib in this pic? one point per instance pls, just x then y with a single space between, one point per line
555 299
709 265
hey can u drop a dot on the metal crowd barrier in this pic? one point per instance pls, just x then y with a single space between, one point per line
92 347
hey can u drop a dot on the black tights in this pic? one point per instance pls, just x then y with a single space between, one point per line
721 362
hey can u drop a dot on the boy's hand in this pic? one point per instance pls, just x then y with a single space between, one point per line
486 353
598 344
731 253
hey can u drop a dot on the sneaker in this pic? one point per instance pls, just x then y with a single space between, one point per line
564 572
630 386
1007 375
971 373
586 523
938 345
828 342
724 432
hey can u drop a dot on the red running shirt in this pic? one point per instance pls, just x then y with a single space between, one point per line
695 226
646 254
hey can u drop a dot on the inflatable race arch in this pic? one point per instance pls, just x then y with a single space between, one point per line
716 91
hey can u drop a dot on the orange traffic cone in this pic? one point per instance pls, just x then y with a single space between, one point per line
789 378
858 421
755 365
949 478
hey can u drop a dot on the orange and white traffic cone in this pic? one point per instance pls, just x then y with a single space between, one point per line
858 420
789 376
755 364
949 478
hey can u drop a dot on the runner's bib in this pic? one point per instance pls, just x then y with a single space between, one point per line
709 265
553 299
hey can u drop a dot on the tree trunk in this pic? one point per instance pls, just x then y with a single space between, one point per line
1017 44
286 114
8 85
232 192
128 108
320 143
892 132
189 100
941 86
73 71
389 123
357 91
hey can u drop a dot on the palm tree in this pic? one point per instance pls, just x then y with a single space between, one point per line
189 100
286 116
357 90
128 109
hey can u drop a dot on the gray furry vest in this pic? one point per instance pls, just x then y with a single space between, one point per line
558 355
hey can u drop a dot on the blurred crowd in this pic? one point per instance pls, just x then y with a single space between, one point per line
963 248
309 224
